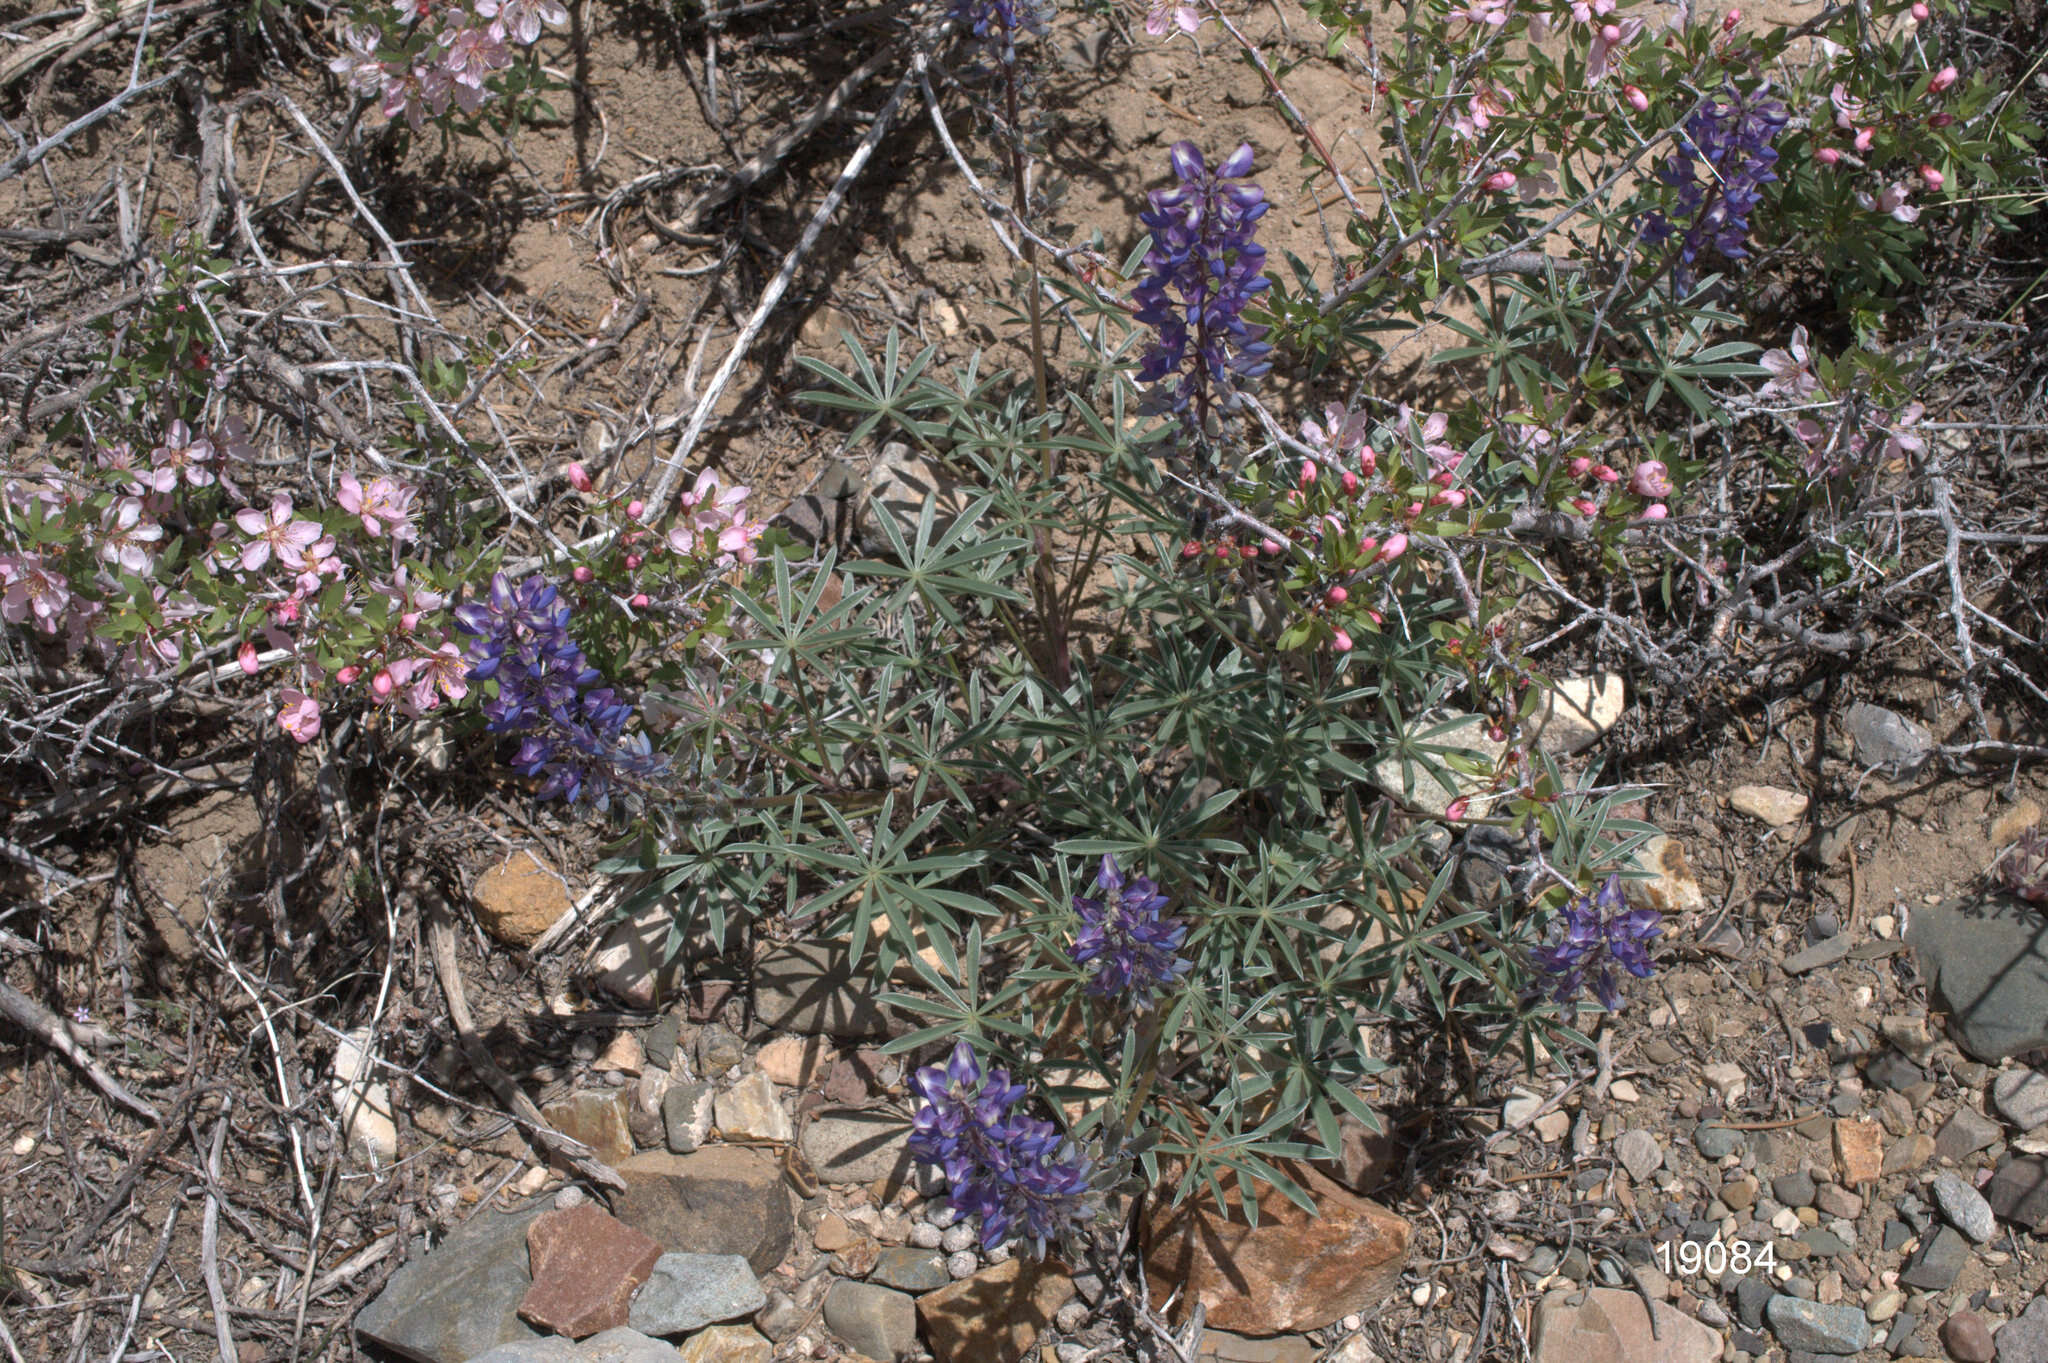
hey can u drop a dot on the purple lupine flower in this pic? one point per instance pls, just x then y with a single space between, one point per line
1733 138
1203 251
1597 932
1134 951
572 730
1021 1176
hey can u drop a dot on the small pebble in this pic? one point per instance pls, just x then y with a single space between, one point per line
957 1238
1968 1338
924 1235
1071 1317
962 1264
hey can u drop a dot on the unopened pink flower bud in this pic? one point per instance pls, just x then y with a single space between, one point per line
640 601
1730 20
1500 180
1367 462
1656 511
581 572
1864 137
1190 549
1336 596
348 674
383 684
1827 156
1341 642
1605 474
1368 546
246 657
1271 546
1940 120
1396 545
1222 551
1920 12
1942 80
1931 177
1451 497
1637 100
1579 467
636 508
633 561
1248 551
409 621
1610 34
1584 506
1414 509
579 477
1308 472
1457 808
1350 481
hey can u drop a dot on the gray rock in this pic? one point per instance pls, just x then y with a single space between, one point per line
1987 961
1965 1208
2024 1338
1901 1335
1414 784
782 1317
2018 1191
1965 1134
1885 738
1893 1071
719 1051
724 1200
850 1145
1716 1142
1799 1324
1940 1259
1639 1153
1834 949
686 1116
878 1321
814 989
659 1041
962 1264
2021 1097
460 1299
620 1345
1824 1243
910 1270
1794 1189
690 1291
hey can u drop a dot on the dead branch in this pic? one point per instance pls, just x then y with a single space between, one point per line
30 1016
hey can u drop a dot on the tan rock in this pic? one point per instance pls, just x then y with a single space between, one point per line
833 1234
624 1055
597 1117
1611 1325
1577 711
1859 1150
996 1315
1774 805
363 1101
1672 887
1293 1272
2021 818
725 1344
795 1061
520 898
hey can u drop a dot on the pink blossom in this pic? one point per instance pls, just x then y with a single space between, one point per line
300 715
245 658
1483 12
1650 480
1500 180
444 670
1535 180
579 477
1340 641
1637 100
1894 200
1941 80
1900 439
1847 107
1586 11
126 535
1341 431
1607 46
181 452
33 592
1165 14
1864 137
1790 374
386 504
1931 177
277 533
1827 156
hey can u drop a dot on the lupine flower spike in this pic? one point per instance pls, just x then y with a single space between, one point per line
1018 1174
1133 951
1733 137
1596 933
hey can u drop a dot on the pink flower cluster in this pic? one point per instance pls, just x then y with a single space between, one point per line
712 522
1894 199
468 42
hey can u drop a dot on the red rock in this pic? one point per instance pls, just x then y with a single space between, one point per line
586 1267
1291 1273
1968 1338
996 1315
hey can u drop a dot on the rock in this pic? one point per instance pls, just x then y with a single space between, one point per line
1551 1127
902 484
1834 949
996 1315
2010 826
1639 1153
814 988
1940 1259
1752 1295
1964 1134
1716 1142
724 1200
910 1270
1576 712
1894 1072
1967 1338
622 1056
1859 1150
687 1292
461 1298
617 1345
2024 1338
795 1061
1835 1200
878 1321
1520 1110
1908 1153
1965 1208
1912 1036
686 1115
1220 1346
597 1117
2021 1097
586 1268
2018 1191
1611 1325
782 1317
1670 886
520 898
1294 1272
1987 962
1773 805
724 1344
854 1146
1799 1324
1794 1189
719 1051
659 1041
752 1110
1884 1306
962 1264
1727 1080
1365 1158
642 958
1885 738
1410 782
1832 843
363 1100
